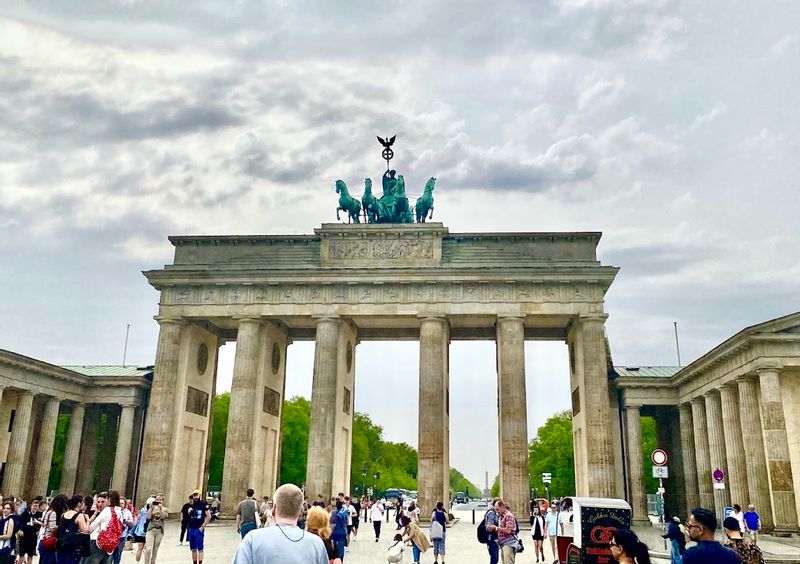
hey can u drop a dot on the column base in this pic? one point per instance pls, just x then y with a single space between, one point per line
785 532
641 523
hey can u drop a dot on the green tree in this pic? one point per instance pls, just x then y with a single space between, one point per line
649 444
219 433
295 425
459 483
552 451
60 445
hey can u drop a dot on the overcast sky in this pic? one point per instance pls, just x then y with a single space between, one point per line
673 127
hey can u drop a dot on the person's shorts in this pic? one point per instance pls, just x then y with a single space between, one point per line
355 523
27 546
196 537
138 539
438 546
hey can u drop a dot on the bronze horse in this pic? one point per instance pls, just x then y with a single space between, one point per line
347 203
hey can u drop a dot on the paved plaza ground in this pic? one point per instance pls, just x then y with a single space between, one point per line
462 546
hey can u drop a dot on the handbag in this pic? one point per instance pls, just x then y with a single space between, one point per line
519 547
437 532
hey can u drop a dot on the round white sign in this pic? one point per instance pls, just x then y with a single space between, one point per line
659 457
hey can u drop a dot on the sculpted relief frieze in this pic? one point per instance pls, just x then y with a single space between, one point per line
380 249
383 293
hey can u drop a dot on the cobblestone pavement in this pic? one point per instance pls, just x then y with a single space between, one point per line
462 545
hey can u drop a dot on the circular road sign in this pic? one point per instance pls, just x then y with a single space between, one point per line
659 457
718 475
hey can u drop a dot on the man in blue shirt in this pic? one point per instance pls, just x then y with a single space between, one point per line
551 523
752 523
702 524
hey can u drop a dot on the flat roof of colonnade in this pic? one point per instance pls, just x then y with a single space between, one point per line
384 277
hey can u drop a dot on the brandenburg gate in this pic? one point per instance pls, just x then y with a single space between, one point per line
348 283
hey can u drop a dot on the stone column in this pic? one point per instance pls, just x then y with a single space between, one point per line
158 447
700 427
88 458
241 416
599 452
637 497
17 458
513 414
43 461
716 450
119 478
106 454
776 446
319 472
72 450
755 458
689 458
734 446
434 457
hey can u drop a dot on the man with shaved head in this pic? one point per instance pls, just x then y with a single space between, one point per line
284 542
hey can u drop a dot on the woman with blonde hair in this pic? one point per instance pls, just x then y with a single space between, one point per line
318 523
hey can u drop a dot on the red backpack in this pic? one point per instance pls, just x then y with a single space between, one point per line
108 539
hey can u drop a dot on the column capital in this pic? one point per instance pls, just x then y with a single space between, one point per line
698 401
633 406
248 319
326 317
510 317
439 317
711 393
593 317
768 366
167 320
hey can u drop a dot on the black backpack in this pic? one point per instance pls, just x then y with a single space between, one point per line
483 534
67 542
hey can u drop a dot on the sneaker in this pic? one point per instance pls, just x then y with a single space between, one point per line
376 540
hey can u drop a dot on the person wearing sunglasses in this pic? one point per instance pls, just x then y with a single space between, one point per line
628 549
702 524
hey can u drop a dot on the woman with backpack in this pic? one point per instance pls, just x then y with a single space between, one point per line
72 530
339 523
438 531
8 540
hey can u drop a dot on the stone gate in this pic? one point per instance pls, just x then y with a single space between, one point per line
349 283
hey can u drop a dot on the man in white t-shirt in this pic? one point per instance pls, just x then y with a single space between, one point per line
377 517
284 542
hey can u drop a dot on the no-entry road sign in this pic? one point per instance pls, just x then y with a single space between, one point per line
659 457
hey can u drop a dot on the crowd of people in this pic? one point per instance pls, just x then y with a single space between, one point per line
321 532
92 529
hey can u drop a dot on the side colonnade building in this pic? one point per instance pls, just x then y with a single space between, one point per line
735 409
104 407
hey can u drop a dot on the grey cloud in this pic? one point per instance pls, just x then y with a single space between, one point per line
657 259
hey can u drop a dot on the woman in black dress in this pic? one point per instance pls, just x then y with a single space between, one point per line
538 532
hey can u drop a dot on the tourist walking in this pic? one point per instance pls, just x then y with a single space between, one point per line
186 515
506 532
438 531
413 512
748 552
247 518
105 503
156 515
355 514
376 514
200 517
339 524
628 549
26 545
677 538
739 516
752 523
538 532
285 542
8 540
551 523
319 523
301 522
413 534
491 520
701 525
